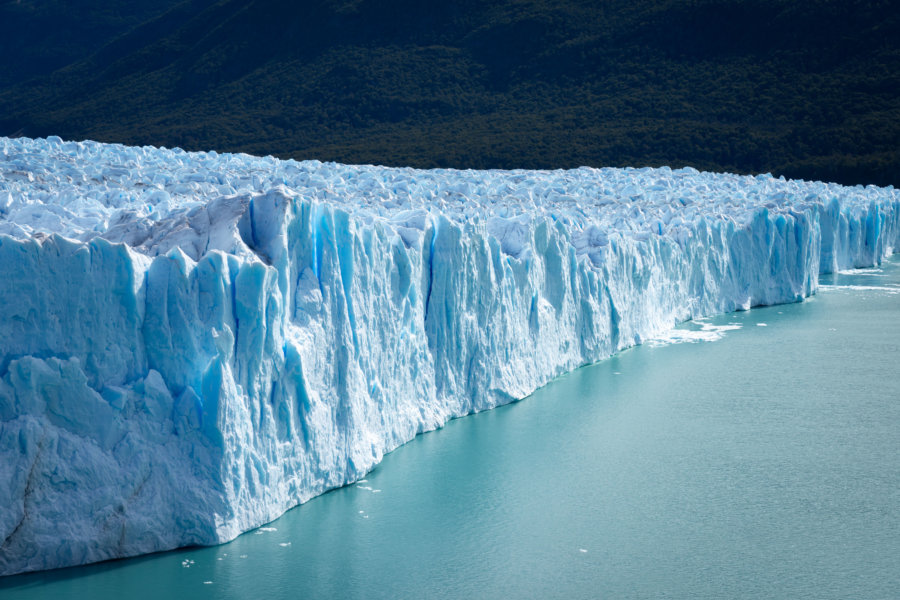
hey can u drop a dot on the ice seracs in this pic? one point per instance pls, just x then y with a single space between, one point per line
190 344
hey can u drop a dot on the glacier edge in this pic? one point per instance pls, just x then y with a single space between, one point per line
181 396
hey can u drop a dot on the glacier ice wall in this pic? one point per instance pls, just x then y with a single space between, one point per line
191 344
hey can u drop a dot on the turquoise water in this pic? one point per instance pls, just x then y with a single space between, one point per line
761 465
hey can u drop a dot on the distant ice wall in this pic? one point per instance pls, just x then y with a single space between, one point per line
150 401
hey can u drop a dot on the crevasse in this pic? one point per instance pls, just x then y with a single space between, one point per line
191 344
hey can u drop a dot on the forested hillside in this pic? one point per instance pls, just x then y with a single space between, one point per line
802 88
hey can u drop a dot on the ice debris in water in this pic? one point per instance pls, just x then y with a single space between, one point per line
890 289
707 332
192 343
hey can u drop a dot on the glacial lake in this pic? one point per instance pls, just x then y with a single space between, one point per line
765 464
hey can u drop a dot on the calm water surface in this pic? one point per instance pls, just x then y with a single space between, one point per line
761 465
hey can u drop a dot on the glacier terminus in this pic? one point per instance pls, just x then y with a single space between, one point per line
193 343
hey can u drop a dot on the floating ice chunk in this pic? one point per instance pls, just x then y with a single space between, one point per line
861 271
861 288
707 333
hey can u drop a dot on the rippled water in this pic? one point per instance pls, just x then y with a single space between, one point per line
763 464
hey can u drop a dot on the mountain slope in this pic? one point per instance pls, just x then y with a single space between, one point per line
806 89
38 37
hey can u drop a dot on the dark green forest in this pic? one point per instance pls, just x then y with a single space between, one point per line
801 88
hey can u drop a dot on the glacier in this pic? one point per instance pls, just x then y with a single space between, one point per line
193 343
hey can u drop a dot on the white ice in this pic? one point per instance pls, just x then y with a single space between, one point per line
191 344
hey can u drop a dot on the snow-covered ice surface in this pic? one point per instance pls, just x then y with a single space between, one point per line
191 344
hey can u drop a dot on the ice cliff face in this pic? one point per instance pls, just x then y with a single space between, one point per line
191 344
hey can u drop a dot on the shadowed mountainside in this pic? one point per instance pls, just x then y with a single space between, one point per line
39 36
806 88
